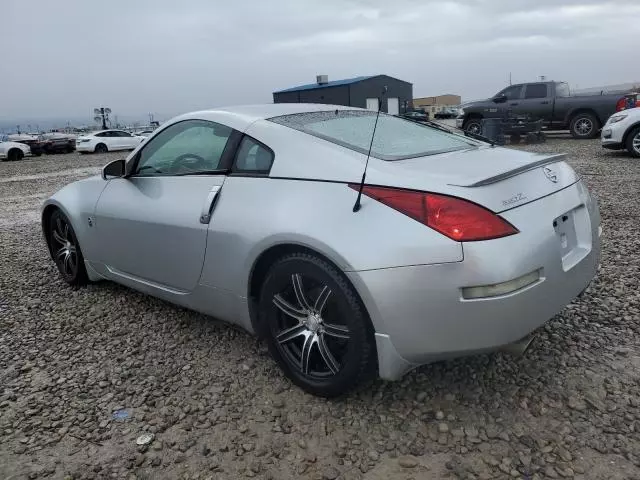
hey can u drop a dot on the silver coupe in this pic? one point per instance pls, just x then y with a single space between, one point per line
261 216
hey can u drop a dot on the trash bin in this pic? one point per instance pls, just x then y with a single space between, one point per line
492 129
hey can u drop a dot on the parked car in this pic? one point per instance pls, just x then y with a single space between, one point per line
107 141
33 141
622 130
417 116
58 143
446 113
256 216
143 133
582 115
12 151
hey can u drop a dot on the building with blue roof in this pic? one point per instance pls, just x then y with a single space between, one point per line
363 92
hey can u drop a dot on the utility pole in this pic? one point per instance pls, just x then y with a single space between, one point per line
509 78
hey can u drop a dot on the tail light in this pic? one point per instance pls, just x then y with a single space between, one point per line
621 104
458 219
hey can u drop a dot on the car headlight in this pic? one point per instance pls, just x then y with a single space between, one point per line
617 118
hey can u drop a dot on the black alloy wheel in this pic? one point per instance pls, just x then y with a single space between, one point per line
65 250
315 325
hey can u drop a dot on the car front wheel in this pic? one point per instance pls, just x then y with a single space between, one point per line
584 125
633 142
316 327
65 250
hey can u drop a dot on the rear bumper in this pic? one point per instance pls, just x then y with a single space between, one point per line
85 147
420 315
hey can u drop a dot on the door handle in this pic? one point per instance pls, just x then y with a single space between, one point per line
514 103
545 102
209 203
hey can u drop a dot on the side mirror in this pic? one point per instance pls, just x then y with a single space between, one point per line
500 99
114 169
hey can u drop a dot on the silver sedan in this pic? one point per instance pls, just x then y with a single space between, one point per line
261 216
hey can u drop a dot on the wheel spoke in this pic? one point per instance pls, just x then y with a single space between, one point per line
327 356
57 237
289 309
58 255
309 341
296 279
322 299
338 331
291 333
72 249
67 263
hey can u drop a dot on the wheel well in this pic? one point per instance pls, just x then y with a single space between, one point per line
577 112
628 132
14 150
469 116
46 219
261 268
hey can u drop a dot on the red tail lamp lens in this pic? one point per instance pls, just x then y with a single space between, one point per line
453 217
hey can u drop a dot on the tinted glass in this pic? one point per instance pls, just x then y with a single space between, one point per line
253 157
395 138
536 90
512 92
120 133
186 147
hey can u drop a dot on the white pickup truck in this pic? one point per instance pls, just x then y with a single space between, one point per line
12 151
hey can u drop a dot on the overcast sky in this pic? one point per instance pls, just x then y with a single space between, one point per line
64 57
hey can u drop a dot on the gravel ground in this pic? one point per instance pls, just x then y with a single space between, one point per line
84 373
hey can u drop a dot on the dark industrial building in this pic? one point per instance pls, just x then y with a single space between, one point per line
362 92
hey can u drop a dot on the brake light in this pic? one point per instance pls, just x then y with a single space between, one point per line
453 217
621 104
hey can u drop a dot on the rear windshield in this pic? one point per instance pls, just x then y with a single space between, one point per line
395 138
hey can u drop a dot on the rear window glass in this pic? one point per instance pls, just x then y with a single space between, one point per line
395 138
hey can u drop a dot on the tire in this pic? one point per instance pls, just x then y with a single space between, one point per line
633 142
473 125
65 250
514 139
308 308
584 125
15 154
101 148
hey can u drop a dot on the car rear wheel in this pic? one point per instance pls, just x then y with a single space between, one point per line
633 142
473 125
316 327
65 250
101 148
15 154
584 125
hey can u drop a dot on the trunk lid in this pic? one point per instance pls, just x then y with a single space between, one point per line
497 178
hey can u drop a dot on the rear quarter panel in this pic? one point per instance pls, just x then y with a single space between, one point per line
254 214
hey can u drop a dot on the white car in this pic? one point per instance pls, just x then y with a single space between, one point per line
622 130
107 141
12 151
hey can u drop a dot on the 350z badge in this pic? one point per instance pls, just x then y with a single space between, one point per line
518 197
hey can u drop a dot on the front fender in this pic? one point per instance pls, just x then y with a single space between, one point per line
78 202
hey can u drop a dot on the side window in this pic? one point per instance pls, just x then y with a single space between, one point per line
536 90
191 146
120 133
101 134
512 93
253 157
562 90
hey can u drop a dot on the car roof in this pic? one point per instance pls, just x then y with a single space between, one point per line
240 117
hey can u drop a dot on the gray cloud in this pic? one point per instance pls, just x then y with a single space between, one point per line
63 58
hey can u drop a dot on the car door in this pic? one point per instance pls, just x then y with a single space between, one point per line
110 139
151 226
535 102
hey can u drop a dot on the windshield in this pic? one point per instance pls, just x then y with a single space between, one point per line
395 138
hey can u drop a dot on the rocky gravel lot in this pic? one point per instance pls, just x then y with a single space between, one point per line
84 373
